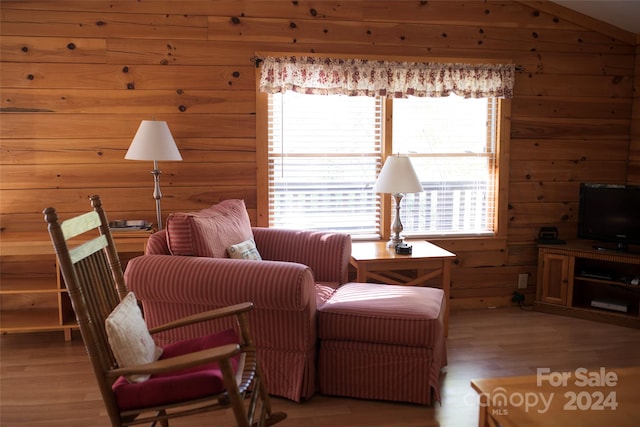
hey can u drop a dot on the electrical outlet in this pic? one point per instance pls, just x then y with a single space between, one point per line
522 280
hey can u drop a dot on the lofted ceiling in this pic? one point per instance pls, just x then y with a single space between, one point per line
624 14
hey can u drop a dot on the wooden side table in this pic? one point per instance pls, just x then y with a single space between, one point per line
557 399
375 261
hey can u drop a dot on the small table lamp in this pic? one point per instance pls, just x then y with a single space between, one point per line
153 141
397 177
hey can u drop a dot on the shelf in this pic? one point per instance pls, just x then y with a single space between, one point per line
632 313
590 313
30 320
27 284
626 284
33 295
584 293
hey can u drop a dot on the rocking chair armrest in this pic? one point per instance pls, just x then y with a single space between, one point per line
216 354
232 310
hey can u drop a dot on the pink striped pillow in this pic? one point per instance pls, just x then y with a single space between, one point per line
209 232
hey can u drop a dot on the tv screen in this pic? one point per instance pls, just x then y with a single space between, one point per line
610 213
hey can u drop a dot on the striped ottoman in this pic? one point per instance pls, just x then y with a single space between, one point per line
383 342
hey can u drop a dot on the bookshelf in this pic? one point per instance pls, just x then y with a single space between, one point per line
33 296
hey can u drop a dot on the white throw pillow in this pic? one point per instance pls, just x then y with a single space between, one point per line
129 337
244 250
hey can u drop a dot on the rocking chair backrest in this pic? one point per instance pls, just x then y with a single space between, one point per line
93 277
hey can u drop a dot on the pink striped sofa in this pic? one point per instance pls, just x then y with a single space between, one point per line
299 272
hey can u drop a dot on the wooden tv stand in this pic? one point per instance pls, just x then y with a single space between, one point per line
579 280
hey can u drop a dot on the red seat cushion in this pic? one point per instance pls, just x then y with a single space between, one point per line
383 314
178 386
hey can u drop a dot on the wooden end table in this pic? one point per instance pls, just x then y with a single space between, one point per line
375 261
586 398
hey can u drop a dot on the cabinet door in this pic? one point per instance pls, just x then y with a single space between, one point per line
555 278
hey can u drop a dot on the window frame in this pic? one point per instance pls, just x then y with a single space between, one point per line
497 241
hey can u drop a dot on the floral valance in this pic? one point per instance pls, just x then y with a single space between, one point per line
361 77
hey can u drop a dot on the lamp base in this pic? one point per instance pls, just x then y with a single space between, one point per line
396 227
393 242
157 194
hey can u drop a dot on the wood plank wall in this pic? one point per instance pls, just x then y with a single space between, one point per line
78 76
633 177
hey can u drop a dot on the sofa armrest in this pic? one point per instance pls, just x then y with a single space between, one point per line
157 244
221 282
326 253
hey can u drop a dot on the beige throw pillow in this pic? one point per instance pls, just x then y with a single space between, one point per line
129 337
244 250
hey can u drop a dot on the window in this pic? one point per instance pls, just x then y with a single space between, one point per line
320 151
325 153
452 144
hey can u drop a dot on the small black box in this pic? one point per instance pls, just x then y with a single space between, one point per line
403 249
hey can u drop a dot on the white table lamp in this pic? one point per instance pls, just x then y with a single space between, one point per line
397 177
153 141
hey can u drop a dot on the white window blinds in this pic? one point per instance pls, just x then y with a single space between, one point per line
452 144
324 154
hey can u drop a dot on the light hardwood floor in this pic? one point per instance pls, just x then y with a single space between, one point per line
45 381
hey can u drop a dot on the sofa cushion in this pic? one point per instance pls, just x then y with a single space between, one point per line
324 291
384 314
209 232
244 250
129 337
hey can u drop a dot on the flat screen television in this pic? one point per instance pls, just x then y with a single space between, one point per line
610 213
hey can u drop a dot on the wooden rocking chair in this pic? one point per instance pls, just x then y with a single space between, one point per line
215 372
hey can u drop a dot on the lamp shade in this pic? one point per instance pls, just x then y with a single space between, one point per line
397 176
153 141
